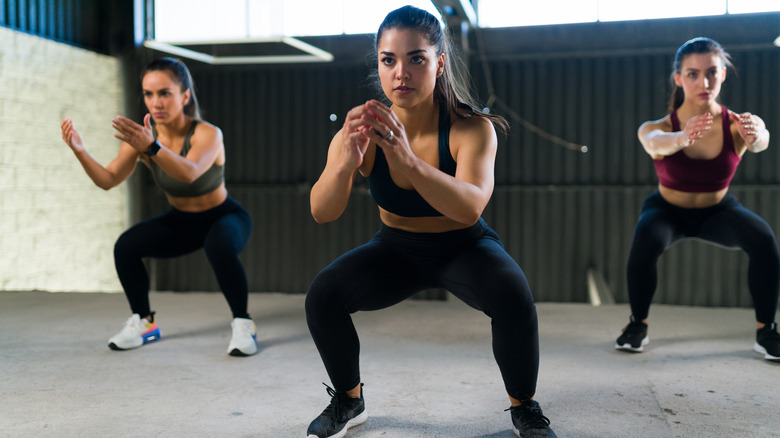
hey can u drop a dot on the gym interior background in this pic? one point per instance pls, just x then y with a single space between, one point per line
561 213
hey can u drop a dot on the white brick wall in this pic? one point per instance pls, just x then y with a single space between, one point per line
57 229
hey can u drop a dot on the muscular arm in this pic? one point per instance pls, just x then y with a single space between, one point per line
473 141
753 132
206 145
115 172
658 142
104 177
330 194
463 197
761 143
658 139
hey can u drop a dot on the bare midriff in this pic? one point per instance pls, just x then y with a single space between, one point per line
197 204
432 224
691 199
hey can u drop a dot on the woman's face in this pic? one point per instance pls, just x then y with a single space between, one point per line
408 67
700 77
163 96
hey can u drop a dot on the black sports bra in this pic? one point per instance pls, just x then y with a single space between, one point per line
403 202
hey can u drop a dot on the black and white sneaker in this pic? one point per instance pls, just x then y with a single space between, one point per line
634 337
768 342
342 413
529 422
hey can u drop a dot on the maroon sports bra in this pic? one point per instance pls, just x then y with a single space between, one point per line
680 172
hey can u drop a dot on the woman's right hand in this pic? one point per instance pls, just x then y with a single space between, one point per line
355 137
71 136
346 153
695 128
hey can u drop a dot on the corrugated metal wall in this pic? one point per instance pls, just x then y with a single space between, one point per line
555 233
276 122
601 101
559 212
84 23
52 19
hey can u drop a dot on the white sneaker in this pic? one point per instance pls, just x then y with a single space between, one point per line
244 339
136 332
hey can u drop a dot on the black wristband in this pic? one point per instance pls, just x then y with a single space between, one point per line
152 149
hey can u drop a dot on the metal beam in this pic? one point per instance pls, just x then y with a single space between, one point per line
313 54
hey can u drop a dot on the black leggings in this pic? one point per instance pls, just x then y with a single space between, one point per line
471 263
222 231
727 224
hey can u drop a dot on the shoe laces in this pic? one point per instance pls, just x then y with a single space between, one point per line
530 415
338 404
334 408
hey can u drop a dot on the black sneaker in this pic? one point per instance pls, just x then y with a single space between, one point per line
768 342
529 422
342 413
634 337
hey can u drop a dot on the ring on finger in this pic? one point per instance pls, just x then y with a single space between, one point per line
389 135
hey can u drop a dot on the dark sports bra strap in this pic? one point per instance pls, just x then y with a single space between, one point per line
728 140
444 125
187 144
675 121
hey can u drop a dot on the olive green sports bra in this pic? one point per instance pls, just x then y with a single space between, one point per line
206 183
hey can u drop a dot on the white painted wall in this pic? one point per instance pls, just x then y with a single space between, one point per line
57 229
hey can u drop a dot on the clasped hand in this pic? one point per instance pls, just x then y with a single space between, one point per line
375 122
696 127
130 132
748 127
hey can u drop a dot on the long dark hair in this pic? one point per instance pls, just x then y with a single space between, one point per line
182 76
698 45
452 90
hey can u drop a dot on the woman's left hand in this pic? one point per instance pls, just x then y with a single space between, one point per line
388 132
748 127
137 136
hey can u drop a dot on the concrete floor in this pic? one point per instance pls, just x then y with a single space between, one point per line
427 366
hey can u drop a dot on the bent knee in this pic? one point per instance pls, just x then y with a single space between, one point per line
125 245
329 292
321 295
222 246
647 240
765 249
514 303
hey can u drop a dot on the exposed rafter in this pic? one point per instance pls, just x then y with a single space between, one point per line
311 53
